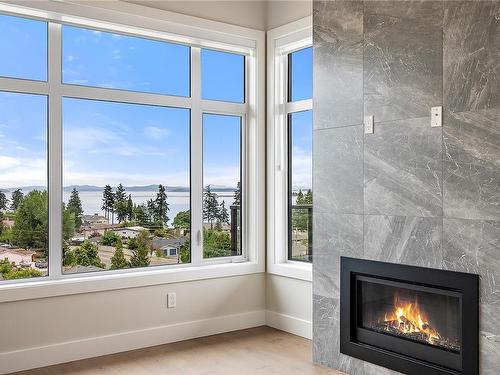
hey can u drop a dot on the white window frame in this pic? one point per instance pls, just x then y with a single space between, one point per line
280 43
141 21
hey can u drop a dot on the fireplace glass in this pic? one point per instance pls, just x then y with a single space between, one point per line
428 316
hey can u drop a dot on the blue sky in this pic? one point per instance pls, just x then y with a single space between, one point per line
115 142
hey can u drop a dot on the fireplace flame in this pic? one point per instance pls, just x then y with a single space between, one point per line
407 318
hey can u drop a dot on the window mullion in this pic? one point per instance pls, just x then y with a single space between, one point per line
196 159
55 151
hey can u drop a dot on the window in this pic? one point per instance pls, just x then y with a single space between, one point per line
290 119
124 148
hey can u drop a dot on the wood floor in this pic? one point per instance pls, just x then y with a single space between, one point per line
257 351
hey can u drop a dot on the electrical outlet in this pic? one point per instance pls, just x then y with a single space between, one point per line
369 124
436 117
171 300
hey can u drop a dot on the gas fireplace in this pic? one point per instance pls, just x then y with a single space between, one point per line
411 319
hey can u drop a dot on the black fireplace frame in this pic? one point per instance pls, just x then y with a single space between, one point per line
457 283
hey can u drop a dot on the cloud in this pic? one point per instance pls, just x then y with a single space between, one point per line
21 172
227 176
153 132
117 54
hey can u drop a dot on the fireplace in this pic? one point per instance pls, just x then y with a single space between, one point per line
410 319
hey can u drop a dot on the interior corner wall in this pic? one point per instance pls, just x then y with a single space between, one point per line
282 12
47 331
408 193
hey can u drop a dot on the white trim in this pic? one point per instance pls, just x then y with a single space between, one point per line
280 42
290 324
111 280
132 19
30 358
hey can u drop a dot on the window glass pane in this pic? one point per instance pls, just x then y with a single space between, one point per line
96 58
300 66
300 133
222 185
24 48
222 76
126 185
23 186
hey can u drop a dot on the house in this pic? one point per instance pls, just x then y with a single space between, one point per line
169 247
129 232
95 219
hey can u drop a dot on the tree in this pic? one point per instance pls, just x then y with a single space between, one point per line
237 195
68 224
118 260
4 202
222 214
108 201
140 255
182 220
5 266
216 243
75 206
300 197
84 255
185 252
110 238
141 215
210 206
17 198
22 273
130 208
121 204
151 209
161 206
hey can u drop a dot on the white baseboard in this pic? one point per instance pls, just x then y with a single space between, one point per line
287 323
29 358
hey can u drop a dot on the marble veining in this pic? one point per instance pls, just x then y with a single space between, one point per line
472 165
403 169
402 58
338 63
471 55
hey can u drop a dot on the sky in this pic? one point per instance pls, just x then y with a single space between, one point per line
111 143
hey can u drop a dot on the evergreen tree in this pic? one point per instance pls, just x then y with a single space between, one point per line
108 201
118 260
223 215
140 257
130 208
185 252
210 206
141 215
120 194
4 202
308 198
161 206
17 198
75 206
237 195
87 255
121 204
151 209
300 197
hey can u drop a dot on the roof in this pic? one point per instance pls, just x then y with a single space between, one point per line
159 242
78 268
136 228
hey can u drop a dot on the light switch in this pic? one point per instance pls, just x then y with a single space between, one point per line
368 124
436 116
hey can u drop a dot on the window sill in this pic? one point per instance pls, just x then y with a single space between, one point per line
121 280
294 270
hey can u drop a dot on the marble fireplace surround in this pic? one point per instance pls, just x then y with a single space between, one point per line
408 193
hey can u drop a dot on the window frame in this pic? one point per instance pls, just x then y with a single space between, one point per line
280 43
165 26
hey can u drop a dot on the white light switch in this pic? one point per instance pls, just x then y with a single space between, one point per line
171 300
368 124
436 116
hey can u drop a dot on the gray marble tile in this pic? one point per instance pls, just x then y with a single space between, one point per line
406 240
402 58
474 246
471 53
338 170
335 235
472 165
403 169
372 369
326 337
338 63
489 347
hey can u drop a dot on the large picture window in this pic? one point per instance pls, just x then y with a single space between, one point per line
121 150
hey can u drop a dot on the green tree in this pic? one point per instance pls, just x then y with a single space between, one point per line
182 220
121 204
130 208
110 238
185 252
140 256
75 206
108 202
118 260
22 273
300 197
17 197
87 255
141 215
210 206
161 206
4 202
216 243
237 195
222 214
5 266
31 221
68 224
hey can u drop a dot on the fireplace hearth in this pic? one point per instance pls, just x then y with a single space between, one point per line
410 319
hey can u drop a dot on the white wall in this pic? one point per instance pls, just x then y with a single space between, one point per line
40 332
282 12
